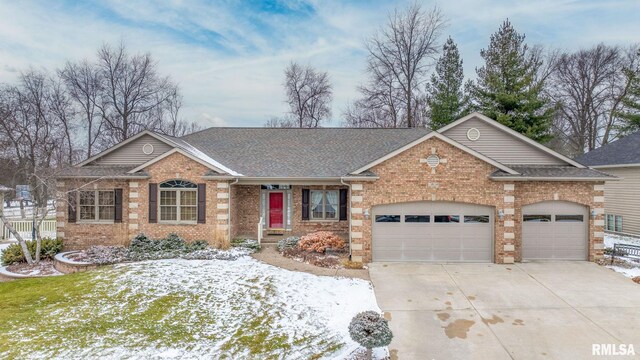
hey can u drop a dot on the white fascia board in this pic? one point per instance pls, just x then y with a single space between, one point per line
614 166
531 178
443 138
513 133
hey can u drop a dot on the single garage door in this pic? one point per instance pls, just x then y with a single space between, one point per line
555 230
432 231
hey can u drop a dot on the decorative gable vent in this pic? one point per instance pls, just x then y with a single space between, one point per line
433 160
147 149
473 134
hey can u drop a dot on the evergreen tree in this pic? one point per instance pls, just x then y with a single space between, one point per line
445 96
631 101
507 87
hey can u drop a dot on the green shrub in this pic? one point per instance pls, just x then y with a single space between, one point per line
197 245
172 242
48 249
288 243
246 243
142 243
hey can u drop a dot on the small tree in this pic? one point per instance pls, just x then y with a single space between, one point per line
370 330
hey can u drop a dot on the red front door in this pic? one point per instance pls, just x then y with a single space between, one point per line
276 205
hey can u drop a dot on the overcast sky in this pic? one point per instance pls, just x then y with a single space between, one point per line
229 56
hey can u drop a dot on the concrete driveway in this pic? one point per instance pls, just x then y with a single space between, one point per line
538 310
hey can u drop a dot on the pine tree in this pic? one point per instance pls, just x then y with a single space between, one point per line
445 96
631 101
507 88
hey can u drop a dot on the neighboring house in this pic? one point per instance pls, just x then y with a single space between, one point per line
474 190
622 198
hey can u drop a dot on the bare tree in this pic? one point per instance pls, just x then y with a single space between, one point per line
131 92
169 121
399 56
83 86
588 87
309 96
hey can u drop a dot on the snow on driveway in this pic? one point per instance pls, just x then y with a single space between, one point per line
227 306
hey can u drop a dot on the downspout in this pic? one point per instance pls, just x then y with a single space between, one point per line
348 212
229 210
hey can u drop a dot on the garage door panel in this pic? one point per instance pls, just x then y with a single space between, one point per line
431 241
564 237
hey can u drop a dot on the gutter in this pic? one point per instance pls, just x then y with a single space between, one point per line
532 178
102 177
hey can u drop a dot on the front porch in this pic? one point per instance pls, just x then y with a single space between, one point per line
276 211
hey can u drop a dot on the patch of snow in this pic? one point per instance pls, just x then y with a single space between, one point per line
628 272
611 239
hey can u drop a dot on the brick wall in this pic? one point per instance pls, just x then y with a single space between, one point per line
460 177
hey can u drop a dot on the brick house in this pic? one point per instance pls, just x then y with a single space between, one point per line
474 190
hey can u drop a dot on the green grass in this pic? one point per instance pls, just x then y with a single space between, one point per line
55 315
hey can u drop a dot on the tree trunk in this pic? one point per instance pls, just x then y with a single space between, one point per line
369 354
23 244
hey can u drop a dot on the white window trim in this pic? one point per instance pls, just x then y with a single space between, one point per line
96 208
178 206
324 204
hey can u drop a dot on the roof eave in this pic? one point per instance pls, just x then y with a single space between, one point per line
103 177
611 166
551 178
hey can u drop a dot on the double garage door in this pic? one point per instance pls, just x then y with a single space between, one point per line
433 231
555 230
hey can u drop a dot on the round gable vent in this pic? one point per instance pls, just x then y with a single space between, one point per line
147 149
433 160
473 134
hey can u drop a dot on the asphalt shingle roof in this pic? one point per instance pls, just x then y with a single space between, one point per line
622 151
552 171
99 171
320 152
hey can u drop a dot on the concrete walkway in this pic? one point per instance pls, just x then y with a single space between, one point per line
268 254
538 310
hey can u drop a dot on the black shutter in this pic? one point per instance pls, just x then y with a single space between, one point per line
305 204
72 202
202 203
343 204
117 202
153 203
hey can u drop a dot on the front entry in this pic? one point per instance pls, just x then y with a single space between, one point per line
276 213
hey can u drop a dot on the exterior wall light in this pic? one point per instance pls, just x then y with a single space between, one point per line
366 214
593 214
501 214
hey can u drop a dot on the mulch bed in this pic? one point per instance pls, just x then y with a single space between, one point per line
43 268
331 260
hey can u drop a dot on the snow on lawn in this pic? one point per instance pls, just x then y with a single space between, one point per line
634 268
628 272
191 309
611 239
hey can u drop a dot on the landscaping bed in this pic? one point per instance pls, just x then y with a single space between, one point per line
323 248
43 268
629 267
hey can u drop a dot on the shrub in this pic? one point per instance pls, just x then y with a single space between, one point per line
321 240
142 243
246 243
103 255
288 243
197 245
370 330
48 249
172 242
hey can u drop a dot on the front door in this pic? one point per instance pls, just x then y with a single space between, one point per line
276 206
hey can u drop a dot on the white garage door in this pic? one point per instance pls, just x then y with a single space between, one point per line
555 230
432 231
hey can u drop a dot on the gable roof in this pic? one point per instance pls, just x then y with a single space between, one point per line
300 153
622 152
445 139
515 134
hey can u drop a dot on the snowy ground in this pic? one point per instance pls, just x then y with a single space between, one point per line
199 309
634 267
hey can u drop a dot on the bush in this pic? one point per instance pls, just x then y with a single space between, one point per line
288 243
321 240
48 249
246 243
172 242
142 243
370 330
197 245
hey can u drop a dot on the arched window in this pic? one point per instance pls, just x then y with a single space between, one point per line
178 201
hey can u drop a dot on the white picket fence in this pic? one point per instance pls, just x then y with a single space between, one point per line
25 229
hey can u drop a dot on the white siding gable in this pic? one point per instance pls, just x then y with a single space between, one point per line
132 154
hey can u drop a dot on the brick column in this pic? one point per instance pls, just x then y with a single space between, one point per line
508 225
133 205
358 246
596 236
223 194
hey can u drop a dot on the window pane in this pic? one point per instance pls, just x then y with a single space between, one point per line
316 204
87 198
188 198
188 213
388 218
446 218
618 227
87 212
610 222
106 212
106 198
417 218
168 213
168 197
569 218
179 184
476 219
331 205
536 218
